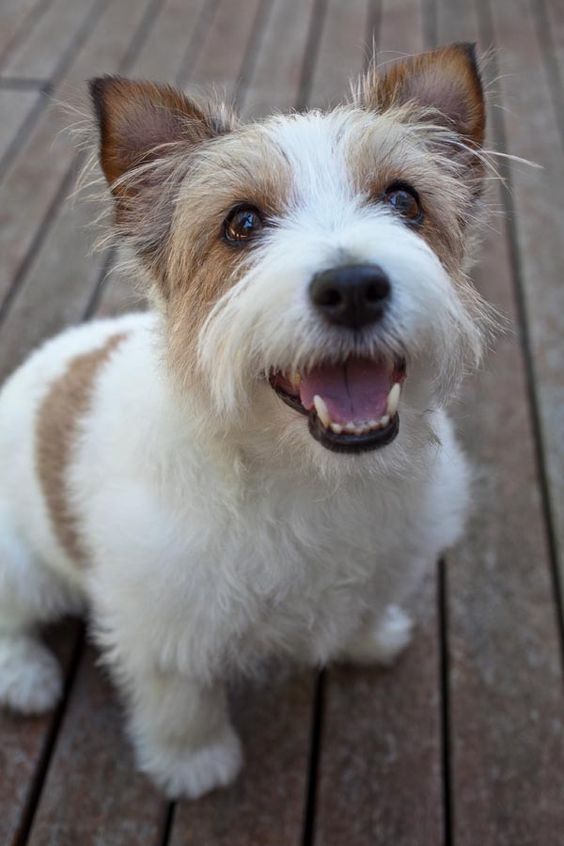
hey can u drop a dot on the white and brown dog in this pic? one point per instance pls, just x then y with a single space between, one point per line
262 465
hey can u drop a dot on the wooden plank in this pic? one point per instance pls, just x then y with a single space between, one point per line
266 804
276 77
342 51
380 765
41 177
380 778
506 702
538 199
220 62
18 18
92 794
23 744
163 52
15 107
41 53
550 15
401 25
507 735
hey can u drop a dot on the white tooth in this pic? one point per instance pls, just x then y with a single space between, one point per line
337 428
295 379
322 410
393 399
383 421
350 427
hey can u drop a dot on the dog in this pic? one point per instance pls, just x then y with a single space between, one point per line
261 467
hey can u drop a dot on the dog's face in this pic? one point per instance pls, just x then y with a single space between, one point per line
310 267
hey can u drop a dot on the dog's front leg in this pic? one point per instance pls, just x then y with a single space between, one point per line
182 734
381 639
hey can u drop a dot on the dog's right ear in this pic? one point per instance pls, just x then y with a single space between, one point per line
141 121
148 133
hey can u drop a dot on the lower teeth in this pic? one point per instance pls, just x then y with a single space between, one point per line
359 428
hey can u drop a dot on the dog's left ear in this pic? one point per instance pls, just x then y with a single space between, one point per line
445 81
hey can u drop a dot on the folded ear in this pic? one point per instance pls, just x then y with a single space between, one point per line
137 118
446 81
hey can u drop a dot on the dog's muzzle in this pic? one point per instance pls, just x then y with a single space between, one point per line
351 406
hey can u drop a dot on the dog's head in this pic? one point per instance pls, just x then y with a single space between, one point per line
311 267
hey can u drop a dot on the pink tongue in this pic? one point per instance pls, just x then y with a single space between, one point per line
353 392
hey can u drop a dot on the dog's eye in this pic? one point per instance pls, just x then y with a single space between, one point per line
404 200
242 223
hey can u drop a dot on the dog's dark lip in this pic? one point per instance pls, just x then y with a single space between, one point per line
350 443
293 402
345 442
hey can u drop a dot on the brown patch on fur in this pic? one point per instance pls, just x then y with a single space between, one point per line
445 81
391 151
147 134
58 426
200 266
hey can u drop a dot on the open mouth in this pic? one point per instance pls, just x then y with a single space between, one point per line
351 406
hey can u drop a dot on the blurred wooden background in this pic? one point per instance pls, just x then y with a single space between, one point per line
463 742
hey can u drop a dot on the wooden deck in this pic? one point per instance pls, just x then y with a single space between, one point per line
463 743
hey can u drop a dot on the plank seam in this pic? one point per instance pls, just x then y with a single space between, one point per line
76 42
42 769
168 822
314 759
100 285
548 49
40 235
23 132
252 52
63 190
203 23
141 34
78 39
316 24
374 20
430 23
21 83
446 721
487 31
25 29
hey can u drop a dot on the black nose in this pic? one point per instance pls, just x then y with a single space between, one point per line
353 295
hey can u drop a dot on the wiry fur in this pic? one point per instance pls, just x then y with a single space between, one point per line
216 533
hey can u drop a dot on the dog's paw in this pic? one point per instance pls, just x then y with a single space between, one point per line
384 642
193 773
30 677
